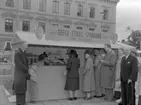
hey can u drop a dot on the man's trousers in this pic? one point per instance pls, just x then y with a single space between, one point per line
128 93
20 98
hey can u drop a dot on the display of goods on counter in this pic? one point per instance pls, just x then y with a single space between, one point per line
52 58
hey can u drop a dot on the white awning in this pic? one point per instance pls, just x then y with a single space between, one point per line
31 39
124 45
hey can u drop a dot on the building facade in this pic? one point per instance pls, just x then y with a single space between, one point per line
94 16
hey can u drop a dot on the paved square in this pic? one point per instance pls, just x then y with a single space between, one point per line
4 101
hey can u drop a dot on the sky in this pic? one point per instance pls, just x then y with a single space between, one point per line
128 14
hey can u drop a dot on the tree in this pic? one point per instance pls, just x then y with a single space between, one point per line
134 38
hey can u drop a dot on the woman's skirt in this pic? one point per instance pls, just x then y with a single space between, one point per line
72 84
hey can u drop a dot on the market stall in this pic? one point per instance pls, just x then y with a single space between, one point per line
51 79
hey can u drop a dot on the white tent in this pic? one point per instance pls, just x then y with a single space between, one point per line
31 38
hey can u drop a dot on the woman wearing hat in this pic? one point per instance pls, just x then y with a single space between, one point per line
72 77
88 85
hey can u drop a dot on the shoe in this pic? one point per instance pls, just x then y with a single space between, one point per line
119 100
74 98
32 101
120 104
87 98
97 96
84 97
71 99
105 98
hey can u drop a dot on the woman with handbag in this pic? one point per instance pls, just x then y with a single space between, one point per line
72 75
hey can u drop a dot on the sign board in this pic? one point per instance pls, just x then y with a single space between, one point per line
114 38
39 32
73 34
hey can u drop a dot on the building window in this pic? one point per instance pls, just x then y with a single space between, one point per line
27 4
8 25
67 8
43 25
92 12
91 29
105 14
42 5
26 26
80 10
55 25
104 30
79 28
66 26
55 6
10 3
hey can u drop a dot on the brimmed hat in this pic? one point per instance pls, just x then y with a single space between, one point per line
88 52
68 51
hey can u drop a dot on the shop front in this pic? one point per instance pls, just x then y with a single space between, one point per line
50 76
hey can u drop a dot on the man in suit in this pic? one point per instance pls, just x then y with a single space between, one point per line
108 72
21 74
129 73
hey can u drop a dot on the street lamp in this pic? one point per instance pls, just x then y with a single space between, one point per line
7 49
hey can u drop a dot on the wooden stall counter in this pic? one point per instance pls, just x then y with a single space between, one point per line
50 84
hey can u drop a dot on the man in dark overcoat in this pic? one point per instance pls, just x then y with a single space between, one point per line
129 73
21 74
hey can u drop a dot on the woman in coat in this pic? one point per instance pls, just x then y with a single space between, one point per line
72 77
88 85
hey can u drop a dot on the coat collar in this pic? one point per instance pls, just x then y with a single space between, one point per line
109 52
22 53
128 58
120 58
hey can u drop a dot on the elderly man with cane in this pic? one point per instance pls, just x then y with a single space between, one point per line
128 76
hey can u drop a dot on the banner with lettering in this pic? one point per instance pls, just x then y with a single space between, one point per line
73 34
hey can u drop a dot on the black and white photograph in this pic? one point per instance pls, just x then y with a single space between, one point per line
70 52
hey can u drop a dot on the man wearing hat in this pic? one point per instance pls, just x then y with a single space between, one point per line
21 74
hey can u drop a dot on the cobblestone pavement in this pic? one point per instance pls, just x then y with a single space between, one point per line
4 101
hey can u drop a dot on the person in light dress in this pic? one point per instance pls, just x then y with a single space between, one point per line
33 82
118 83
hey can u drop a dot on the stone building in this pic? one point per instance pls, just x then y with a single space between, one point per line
96 17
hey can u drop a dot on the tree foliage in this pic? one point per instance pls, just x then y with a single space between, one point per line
134 37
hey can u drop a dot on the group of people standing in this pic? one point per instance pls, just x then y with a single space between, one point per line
104 72
98 75
107 74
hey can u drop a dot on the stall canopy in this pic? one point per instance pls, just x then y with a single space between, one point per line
31 39
125 45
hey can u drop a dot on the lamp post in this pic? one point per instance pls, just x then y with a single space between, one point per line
7 49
